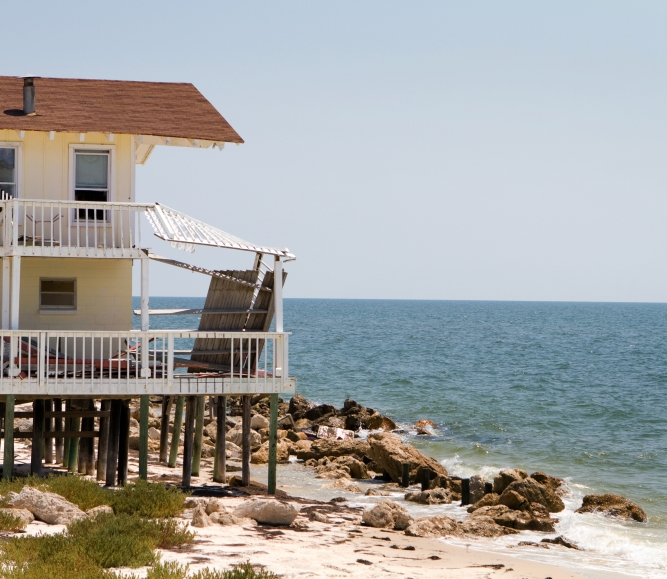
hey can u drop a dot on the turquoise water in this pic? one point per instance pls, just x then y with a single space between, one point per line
574 389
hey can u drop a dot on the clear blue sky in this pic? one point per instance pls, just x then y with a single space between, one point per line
441 150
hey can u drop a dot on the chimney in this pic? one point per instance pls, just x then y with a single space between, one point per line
29 95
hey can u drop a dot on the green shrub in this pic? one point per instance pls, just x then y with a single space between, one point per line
84 493
169 570
9 522
175 571
150 500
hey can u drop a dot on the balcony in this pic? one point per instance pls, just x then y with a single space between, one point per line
71 228
118 364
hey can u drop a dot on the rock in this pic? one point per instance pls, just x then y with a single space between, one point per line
200 518
302 423
536 493
225 518
319 411
484 527
389 452
613 506
296 436
356 468
377 493
476 488
378 422
301 446
269 512
48 507
539 511
194 502
298 406
133 442
438 526
102 509
211 430
261 456
258 421
318 517
333 448
387 515
506 477
153 433
556 484
134 424
286 422
424 423
345 484
234 449
235 435
24 516
518 520
215 506
513 500
563 542
430 497
490 500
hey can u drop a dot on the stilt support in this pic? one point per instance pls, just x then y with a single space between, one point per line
273 442
8 460
176 434
144 405
199 433
36 453
245 441
103 444
112 452
188 443
164 428
220 462
123 442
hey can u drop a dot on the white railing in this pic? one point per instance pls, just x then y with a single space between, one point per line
71 228
132 363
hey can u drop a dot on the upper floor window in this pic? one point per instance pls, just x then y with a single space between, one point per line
8 172
91 180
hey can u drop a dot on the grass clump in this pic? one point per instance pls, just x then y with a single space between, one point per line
149 500
175 571
9 522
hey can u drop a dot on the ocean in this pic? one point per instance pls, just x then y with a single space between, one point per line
576 390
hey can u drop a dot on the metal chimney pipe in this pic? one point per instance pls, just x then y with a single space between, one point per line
29 95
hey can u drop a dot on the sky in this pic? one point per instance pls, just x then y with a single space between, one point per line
413 150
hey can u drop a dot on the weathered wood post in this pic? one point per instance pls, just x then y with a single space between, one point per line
48 429
87 444
245 441
176 434
405 480
220 462
426 478
75 427
8 459
144 406
123 442
199 433
103 444
465 492
37 437
58 428
188 443
273 442
167 402
112 452
67 440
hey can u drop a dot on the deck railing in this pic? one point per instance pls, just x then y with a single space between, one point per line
131 363
71 228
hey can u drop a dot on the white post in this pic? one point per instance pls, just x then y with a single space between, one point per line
6 280
145 370
278 306
15 292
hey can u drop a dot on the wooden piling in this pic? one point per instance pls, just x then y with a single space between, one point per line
199 433
58 427
144 407
87 445
103 444
112 452
8 459
167 402
273 442
190 411
176 434
36 453
405 480
465 492
245 441
123 442
68 440
48 428
72 462
220 462
426 478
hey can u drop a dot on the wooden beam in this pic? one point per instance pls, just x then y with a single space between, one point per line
103 444
73 459
176 434
123 442
67 413
199 433
167 402
144 406
48 427
195 312
112 453
188 443
37 449
220 462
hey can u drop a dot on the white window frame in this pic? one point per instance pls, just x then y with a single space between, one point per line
18 147
58 310
111 149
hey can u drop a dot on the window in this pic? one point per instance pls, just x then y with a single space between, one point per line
57 294
91 180
7 172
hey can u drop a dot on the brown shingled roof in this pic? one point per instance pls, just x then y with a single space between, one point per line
164 109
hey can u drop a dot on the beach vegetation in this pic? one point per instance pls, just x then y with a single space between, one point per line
150 500
9 522
172 570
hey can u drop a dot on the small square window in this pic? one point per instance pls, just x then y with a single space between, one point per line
57 294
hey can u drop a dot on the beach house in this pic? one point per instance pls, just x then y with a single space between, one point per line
71 231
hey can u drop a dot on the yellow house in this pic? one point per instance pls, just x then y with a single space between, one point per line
70 229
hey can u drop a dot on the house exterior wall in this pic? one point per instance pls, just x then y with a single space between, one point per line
44 170
103 288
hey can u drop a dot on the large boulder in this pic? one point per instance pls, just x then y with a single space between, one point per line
319 412
387 515
235 435
48 507
341 467
506 477
267 512
477 483
490 500
554 483
261 455
613 506
534 492
298 406
518 520
389 452
484 526
438 526
430 497
333 448
258 422
513 500
200 518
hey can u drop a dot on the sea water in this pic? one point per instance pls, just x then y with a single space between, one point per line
577 390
